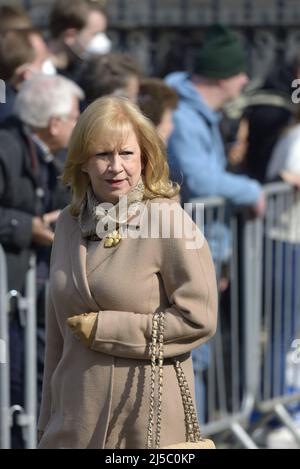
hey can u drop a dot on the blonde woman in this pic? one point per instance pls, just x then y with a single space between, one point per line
105 287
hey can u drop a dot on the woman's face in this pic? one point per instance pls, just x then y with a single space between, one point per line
114 172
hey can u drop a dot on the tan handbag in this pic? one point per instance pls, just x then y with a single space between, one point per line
194 439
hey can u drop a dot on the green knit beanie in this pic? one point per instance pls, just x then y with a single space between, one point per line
221 54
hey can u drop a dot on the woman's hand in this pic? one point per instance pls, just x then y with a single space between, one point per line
83 327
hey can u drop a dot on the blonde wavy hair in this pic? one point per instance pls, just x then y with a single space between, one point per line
105 122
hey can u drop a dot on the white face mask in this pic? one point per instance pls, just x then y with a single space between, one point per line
100 44
48 68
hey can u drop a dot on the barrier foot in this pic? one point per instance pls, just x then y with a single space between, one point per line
242 436
287 420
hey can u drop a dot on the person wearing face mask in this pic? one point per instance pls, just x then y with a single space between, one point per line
78 31
23 53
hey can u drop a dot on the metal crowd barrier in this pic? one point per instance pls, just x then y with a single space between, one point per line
4 357
249 373
225 384
26 415
278 393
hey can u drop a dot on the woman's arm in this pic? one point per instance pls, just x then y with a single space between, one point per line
189 281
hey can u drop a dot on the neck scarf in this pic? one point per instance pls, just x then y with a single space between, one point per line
95 216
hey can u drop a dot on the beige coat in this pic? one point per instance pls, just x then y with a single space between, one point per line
99 398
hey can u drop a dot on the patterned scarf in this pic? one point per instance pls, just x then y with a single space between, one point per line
95 214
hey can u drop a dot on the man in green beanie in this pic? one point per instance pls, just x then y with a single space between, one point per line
221 55
196 150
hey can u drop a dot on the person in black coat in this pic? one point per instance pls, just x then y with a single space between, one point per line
31 197
269 112
23 200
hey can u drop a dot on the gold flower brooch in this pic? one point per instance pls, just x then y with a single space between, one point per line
112 239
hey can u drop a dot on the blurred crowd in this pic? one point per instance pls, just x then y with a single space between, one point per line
226 134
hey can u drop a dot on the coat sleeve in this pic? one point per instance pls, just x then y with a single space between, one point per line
189 280
54 347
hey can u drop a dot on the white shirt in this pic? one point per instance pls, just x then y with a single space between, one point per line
286 154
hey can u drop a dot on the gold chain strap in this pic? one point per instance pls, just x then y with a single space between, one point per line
153 352
193 433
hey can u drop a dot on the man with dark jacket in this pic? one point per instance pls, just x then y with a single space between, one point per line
31 196
22 198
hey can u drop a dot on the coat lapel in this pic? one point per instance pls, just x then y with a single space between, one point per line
78 250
